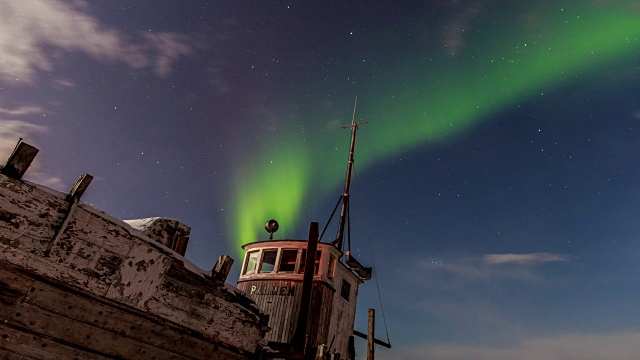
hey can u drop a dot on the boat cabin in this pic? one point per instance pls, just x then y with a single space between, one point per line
272 275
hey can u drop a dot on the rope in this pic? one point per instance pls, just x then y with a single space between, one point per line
373 265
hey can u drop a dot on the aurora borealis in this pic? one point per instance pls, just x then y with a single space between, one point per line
498 170
443 97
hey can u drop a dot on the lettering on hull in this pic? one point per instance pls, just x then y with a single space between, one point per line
272 290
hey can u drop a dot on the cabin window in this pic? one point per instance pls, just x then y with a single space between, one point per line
304 259
332 267
316 267
268 261
252 261
346 289
288 260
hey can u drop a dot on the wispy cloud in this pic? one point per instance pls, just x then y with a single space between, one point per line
457 273
522 259
12 130
460 23
169 48
617 346
30 29
23 110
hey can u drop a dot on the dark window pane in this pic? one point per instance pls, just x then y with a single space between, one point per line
268 260
317 263
346 289
332 267
288 260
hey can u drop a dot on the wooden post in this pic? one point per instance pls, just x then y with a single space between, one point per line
222 267
73 197
320 353
371 334
19 161
299 336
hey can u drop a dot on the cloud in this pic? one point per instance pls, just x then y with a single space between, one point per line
616 346
24 110
522 259
459 273
460 23
170 47
32 31
12 130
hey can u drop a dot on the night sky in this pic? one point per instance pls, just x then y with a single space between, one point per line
498 174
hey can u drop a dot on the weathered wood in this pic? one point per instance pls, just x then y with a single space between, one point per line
279 299
19 161
27 217
33 345
222 267
13 287
10 355
61 228
56 297
79 187
139 275
300 333
169 232
92 229
106 280
371 333
71 331
335 315
377 341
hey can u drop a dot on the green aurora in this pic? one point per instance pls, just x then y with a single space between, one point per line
441 97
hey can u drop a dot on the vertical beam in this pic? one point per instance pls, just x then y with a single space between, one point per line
298 340
79 187
371 334
19 161
222 267
320 352
73 197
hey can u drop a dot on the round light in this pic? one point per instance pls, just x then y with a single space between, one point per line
271 226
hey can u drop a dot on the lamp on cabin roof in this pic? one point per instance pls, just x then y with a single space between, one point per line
271 226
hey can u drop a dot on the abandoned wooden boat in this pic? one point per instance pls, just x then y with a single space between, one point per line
76 283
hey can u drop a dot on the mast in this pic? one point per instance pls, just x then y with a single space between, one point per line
347 183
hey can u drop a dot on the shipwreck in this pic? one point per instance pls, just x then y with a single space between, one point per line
78 283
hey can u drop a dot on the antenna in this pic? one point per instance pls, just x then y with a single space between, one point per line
345 195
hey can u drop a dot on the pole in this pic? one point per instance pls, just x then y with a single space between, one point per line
298 340
371 334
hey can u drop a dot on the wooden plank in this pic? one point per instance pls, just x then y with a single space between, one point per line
10 355
221 321
281 300
119 321
13 287
371 333
93 229
79 188
70 331
87 258
20 160
139 275
29 216
34 346
222 267
45 267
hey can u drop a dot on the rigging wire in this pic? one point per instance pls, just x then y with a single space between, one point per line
373 264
